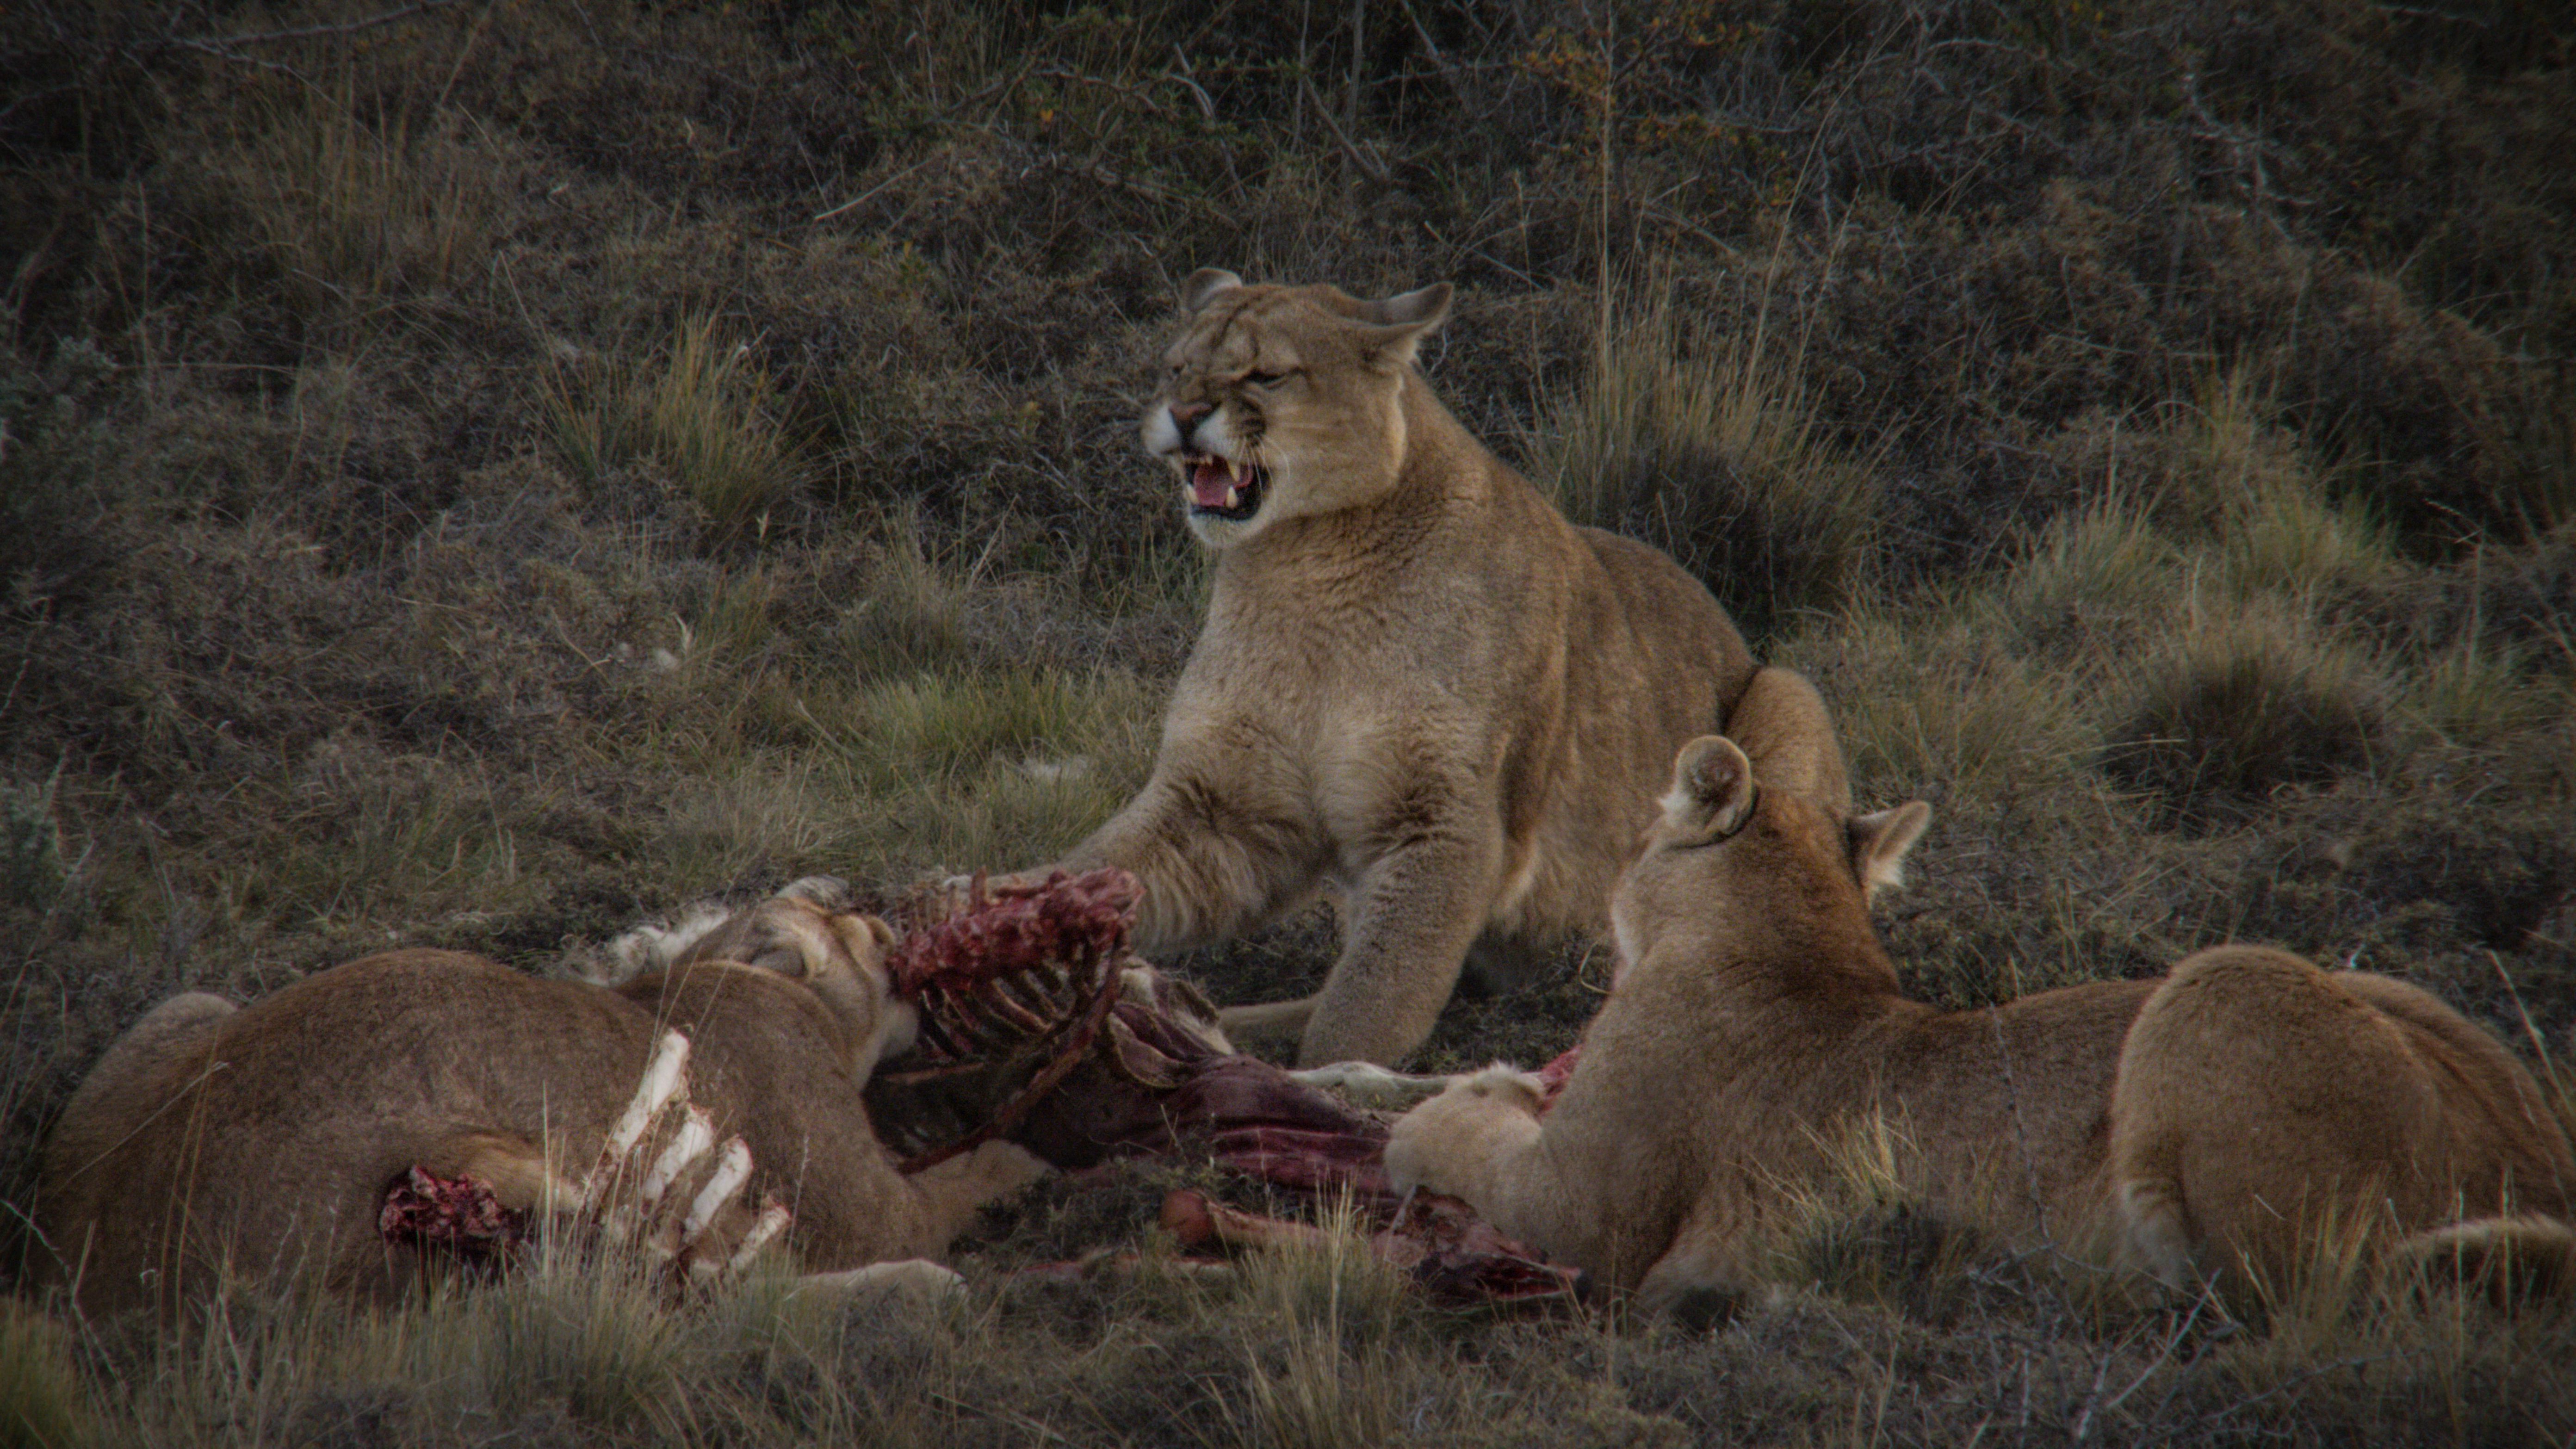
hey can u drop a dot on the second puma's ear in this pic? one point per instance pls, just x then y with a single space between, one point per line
1879 843
1712 794
1206 285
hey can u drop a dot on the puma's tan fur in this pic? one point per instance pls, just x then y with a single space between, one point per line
2261 1099
1755 1020
1418 686
265 1137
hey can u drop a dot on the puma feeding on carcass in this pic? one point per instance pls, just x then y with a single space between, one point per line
2198 1124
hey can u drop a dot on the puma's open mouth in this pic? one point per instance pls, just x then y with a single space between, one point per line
1223 488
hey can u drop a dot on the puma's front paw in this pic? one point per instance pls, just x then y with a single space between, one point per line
1449 1143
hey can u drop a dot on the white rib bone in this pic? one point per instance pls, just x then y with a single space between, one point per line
697 1133
665 1077
773 1220
733 1169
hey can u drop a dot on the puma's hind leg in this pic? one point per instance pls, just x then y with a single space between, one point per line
140 1076
2258 1102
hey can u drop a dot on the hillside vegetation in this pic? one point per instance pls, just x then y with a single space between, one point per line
481 472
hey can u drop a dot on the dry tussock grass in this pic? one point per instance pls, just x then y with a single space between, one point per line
698 409
2240 705
1707 445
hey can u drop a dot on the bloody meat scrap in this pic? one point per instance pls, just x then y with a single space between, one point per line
457 1218
1037 1025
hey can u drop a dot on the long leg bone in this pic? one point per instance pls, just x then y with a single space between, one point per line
1371 1085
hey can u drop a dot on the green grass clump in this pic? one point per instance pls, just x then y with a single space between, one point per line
1331 1372
1857 1232
42 1403
2299 541
1925 705
2094 577
699 408
2482 689
912 617
357 205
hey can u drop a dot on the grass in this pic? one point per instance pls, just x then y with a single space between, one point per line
1930 705
1328 1369
477 479
1707 444
356 204
698 410
2095 579
41 1402
1862 1236
2240 706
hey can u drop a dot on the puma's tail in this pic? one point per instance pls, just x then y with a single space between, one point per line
2524 1258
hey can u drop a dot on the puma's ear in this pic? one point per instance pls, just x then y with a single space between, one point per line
1712 792
829 892
1397 324
1423 307
1879 843
1205 285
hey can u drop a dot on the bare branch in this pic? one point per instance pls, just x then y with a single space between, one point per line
217 44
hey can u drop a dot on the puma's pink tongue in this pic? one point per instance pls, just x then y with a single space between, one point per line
1211 483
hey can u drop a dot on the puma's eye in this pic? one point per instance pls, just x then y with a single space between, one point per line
1263 379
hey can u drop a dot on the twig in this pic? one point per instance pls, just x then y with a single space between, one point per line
1457 87
2363 1361
211 43
2548 1068
1097 172
2084 1422
24 660
1376 169
465 53
871 192
1189 80
1071 76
